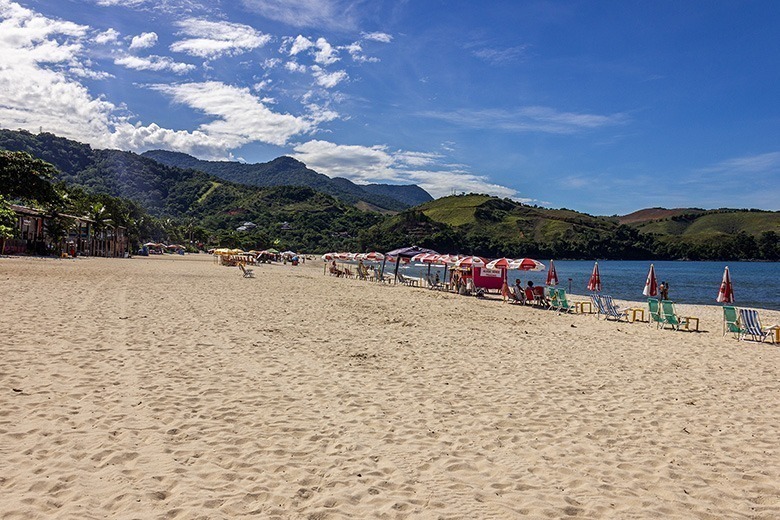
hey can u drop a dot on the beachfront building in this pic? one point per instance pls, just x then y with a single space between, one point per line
82 239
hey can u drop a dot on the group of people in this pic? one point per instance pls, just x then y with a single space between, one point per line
527 294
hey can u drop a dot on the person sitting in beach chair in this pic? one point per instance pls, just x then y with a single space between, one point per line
516 293
247 273
335 271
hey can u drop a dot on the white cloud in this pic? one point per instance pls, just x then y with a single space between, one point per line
762 164
210 40
367 164
37 92
294 66
529 119
328 79
239 117
377 37
326 54
500 55
332 14
144 40
355 50
107 36
300 44
154 62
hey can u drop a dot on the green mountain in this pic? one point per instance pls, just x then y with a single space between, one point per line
303 218
489 226
286 171
290 216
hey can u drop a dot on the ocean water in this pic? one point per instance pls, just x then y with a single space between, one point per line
756 284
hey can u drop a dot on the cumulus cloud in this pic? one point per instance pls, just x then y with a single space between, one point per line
529 119
154 62
210 40
294 66
239 117
300 44
36 90
144 40
326 54
367 164
328 79
107 36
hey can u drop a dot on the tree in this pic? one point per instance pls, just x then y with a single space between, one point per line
7 223
24 177
57 227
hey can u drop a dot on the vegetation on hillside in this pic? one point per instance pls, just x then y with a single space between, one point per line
169 204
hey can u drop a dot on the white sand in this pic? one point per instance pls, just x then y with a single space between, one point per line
169 387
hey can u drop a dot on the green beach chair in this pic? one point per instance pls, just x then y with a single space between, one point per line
731 321
670 317
655 312
563 303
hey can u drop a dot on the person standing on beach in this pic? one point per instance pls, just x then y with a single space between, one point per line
663 290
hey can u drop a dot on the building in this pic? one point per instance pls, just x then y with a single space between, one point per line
81 239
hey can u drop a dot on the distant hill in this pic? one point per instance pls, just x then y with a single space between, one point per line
286 171
489 226
646 215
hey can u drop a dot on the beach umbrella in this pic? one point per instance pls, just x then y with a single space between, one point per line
470 261
651 285
726 292
374 256
552 275
499 263
526 264
594 284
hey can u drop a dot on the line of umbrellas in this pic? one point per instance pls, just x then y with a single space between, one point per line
725 293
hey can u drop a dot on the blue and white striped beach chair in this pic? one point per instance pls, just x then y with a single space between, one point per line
750 325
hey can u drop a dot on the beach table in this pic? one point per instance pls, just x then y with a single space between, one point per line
638 314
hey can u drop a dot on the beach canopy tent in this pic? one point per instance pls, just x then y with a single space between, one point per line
406 253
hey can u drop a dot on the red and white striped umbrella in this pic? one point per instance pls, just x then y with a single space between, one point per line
726 292
426 258
374 256
526 264
471 261
594 284
449 259
499 263
651 285
552 275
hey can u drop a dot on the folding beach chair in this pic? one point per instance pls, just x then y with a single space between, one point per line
670 317
599 304
247 273
731 321
563 302
750 325
612 310
655 312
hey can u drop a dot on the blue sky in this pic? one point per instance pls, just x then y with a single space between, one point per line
604 107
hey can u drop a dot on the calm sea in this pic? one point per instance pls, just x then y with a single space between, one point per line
756 284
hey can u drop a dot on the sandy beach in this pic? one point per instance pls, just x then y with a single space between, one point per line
171 387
